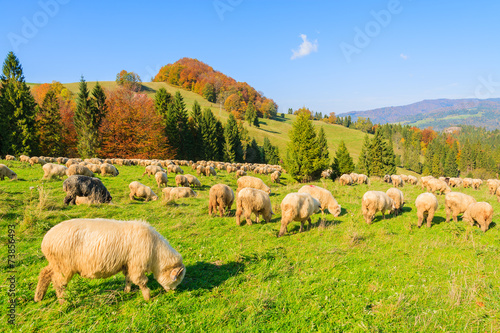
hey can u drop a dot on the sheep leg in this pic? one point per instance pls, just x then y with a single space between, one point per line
60 281
248 215
43 283
383 214
238 215
141 280
448 214
221 209
430 216
128 282
421 217
284 224
301 226
131 196
310 223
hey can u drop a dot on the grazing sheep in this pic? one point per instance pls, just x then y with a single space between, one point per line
373 202
200 170
72 161
435 185
455 182
345 179
354 177
324 197
24 158
388 179
171 193
6 172
412 180
326 174
424 180
10 158
94 168
193 181
240 173
210 171
161 178
479 212
467 182
398 199
493 185
404 178
476 183
220 197
37 160
100 248
426 204
456 203
84 186
362 179
181 180
275 177
174 168
54 170
109 170
151 170
397 181
251 200
297 207
141 191
253 182
76 169
498 194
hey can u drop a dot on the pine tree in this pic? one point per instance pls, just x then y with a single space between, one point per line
343 160
213 136
364 160
87 122
251 115
233 151
377 146
162 100
50 129
322 145
171 130
253 153
389 159
185 139
270 153
451 165
18 133
196 117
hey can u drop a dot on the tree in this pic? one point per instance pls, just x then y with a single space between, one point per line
18 134
364 160
322 145
162 100
50 129
377 167
303 159
290 111
389 159
213 136
196 119
233 151
251 114
209 93
185 141
129 80
343 159
253 153
271 154
88 118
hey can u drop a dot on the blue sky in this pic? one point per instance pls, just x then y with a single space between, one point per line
349 55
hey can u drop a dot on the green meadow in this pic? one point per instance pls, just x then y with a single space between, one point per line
343 276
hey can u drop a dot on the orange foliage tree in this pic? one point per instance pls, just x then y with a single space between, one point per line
428 135
132 128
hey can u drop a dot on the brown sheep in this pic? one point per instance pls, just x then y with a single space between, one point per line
373 202
193 181
94 168
151 170
456 203
210 171
24 158
275 177
455 182
250 200
37 160
493 185
467 182
253 182
240 173
476 183
426 204
141 191
479 212
221 197
10 158
398 198
424 180
297 207
412 180
354 177
362 179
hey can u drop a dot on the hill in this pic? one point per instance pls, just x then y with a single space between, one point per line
438 113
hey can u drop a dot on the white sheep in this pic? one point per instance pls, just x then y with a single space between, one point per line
297 207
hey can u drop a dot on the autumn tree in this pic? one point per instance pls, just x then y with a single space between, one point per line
235 105
50 127
209 93
18 133
129 80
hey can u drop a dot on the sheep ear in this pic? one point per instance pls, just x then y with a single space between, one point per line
176 272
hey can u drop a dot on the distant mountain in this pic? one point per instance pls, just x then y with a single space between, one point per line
438 113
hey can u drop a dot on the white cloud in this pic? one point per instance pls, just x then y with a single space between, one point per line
305 48
404 56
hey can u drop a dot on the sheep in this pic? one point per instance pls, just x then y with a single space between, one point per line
297 207
398 199
456 203
324 197
412 180
476 183
455 182
100 248
404 178
161 178
424 180
498 194
76 169
181 180
326 174
141 191
436 185
94 168
200 170
388 179
170 193
253 182
354 177
251 200
275 177
72 161
493 185
109 170
345 179
6 172
480 213
467 182
193 181
397 181
151 170
240 173
37 160
10 158
426 204
220 196
24 159
373 202
173 168
362 179
210 171
54 170
84 186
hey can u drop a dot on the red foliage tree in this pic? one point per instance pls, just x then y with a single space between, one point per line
428 135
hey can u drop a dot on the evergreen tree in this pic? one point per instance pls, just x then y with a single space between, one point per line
343 160
213 136
50 129
196 117
467 158
270 153
162 100
389 159
364 160
209 93
377 146
253 153
322 145
251 114
451 165
18 134
233 151
87 119
185 142
171 130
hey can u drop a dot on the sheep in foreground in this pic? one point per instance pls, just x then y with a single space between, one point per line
181 180
345 179
250 200
76 169
253 182
84 186
138 190
426 204
436 185
456 203
193 181
480 213
171 193
220 197
373 202
6 172
397 181
161 178
100 248
109 170
398 199
151 170
54 170
324 197
297 207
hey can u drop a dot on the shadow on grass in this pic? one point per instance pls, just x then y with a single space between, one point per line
146 89
438 220
269 131
204 275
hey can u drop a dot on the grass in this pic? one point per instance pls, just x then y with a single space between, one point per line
389 276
